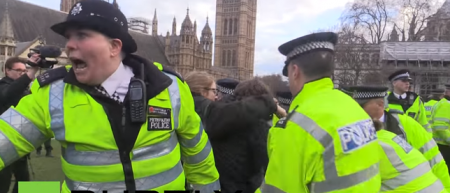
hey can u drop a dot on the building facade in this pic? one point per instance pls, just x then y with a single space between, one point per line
67 4
234 47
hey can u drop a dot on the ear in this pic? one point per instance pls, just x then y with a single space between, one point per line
116 47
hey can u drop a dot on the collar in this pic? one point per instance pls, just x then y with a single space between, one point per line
311 88
122 73
155 80
397 95
382 118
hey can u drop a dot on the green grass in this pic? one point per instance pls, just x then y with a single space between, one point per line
46 168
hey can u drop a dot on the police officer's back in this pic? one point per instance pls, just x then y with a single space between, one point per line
314 148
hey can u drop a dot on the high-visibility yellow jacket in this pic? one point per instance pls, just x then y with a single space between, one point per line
317 148
416 110
428 107
413 133
403 168
440 119
91 159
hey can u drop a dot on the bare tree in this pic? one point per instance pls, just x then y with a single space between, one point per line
413 15
275 82
373 16
355 58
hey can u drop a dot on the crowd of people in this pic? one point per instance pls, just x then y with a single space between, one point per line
125 123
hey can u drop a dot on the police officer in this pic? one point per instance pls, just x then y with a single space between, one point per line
440 119
402 168
435 96
316 124
404 101
122 121
405 127
226 87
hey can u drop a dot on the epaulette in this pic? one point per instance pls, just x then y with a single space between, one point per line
169 70
52 75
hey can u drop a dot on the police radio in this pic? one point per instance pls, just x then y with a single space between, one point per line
138 101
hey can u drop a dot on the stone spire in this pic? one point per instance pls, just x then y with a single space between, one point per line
6 28
155 25
174 26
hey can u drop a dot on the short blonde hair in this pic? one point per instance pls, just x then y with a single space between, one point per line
198 81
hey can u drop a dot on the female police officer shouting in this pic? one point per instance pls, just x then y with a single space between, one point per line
120 119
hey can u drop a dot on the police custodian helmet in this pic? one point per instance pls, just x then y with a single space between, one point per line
99 16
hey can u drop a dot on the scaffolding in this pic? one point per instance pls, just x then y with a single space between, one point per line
139 24
429 62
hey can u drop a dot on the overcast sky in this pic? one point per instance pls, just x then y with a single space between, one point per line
277 21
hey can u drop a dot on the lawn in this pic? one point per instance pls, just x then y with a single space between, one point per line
46 168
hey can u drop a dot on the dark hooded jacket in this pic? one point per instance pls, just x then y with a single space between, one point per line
238 133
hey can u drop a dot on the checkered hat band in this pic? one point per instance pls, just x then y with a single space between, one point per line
404 75
225 90
368 95
308 47
284 100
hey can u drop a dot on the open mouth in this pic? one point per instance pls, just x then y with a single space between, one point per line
78 64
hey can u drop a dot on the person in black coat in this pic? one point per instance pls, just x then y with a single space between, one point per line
13 87
229 123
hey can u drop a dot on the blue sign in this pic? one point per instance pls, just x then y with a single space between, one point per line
402 143
357 135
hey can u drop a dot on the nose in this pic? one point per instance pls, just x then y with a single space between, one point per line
70 45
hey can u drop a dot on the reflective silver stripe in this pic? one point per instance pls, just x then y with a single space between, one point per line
437 187
404 136
189 143
146 183
56 109
436 159
332 180
441 119
267 188
207 188
428 146
8 153
94 158
395 111
175 100
427 127
24 126
406 174
199 157
440 127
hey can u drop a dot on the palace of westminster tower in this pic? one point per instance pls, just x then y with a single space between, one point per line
233 44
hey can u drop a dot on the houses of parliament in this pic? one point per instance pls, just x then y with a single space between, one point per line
180 48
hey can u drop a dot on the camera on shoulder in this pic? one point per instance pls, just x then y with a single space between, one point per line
44 53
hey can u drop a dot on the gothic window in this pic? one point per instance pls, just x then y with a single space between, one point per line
235 26
10 51
234 58
224 57
182 39
2 51
230 27
229 58
225 25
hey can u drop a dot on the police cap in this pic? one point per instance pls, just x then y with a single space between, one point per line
306 44
284 97
402 74
99 16
363 93
226 85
